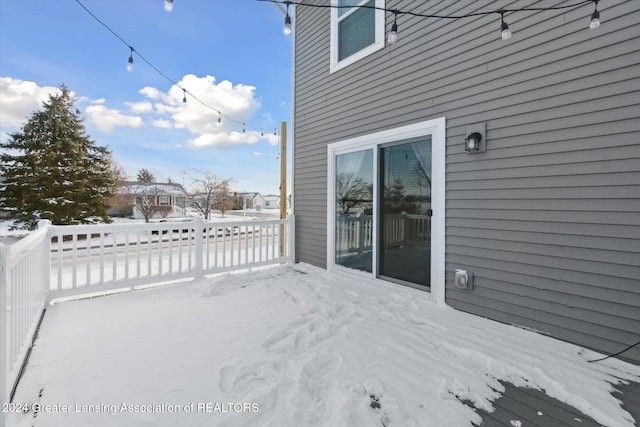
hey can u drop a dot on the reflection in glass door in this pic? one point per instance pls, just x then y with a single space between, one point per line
404 237
354 210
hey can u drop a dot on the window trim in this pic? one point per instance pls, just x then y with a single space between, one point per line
379 43
164 198
435 128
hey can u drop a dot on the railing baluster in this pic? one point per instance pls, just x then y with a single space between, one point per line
224 247
170 233
231 239
126 255
88 256
240 245
160 239
273 242
101 257
114 257
207 237
253 243
149 238
74 259
59 284
138 254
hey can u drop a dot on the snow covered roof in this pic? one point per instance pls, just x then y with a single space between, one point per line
160 188
248 195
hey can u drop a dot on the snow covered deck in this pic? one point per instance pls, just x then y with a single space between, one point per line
297 346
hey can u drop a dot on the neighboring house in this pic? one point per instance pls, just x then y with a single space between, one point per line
543 219
161 200
253 200
271 201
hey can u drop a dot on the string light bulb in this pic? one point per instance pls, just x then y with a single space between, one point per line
219 123
168 5
504 28
287 22
393 34
184 96
595 17
130 62
244 130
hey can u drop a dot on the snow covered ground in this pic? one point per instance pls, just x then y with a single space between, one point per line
293 346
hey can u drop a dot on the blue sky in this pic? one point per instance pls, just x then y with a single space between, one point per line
232 54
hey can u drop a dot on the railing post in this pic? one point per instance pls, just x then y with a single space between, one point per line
46 254
198 229
4 333
292 239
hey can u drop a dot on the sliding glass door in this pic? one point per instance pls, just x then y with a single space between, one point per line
382 211
386 205
404 238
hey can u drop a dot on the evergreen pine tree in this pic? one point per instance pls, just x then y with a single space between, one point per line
144 175
52 170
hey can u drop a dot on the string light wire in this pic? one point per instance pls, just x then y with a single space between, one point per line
169 79
427 15
595 22
506 34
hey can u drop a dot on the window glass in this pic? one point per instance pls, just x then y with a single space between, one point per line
405 212
354 210
346 5
356 31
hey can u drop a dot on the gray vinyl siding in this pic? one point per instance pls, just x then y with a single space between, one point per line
548 218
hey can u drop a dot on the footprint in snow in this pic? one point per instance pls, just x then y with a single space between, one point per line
311 330
239 383
313 388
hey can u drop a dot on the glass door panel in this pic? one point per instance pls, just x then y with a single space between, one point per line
354 210
404 238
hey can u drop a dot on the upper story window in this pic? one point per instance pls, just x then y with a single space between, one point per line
356 31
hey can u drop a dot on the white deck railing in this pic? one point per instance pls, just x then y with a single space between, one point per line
355 234
66 261
24 280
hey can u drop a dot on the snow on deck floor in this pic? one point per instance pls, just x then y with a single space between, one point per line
293 347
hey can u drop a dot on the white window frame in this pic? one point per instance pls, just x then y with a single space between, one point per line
164 200
377 45
436 129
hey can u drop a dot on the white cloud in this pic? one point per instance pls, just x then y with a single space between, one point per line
151 92
140 107
20 98
167 109
107 119
200 116
223 139
162 123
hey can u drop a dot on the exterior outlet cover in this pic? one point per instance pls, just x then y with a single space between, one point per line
463 280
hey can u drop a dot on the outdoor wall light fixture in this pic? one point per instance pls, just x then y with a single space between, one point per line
472 142
475 141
